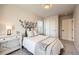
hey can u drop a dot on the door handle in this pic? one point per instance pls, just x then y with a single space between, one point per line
62 30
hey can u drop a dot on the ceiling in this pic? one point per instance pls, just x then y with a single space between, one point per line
56 9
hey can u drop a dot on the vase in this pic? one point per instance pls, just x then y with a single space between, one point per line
25 33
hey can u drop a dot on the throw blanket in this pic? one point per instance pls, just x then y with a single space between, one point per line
49 46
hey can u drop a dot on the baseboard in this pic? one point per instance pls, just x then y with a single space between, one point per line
76 48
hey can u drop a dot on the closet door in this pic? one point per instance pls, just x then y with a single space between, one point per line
47 27
54 27
40 26
51 26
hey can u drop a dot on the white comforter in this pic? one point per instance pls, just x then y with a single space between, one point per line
30 42
33 45
49 46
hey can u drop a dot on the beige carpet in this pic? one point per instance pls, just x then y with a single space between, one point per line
69 49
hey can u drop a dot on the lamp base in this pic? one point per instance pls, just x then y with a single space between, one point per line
9 32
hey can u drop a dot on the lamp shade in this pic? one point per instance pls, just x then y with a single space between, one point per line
8 27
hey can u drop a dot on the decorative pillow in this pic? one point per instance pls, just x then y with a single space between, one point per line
35 33
30 33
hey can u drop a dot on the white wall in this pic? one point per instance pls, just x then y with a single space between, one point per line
76 27
51 26
1 11
12 13
2 26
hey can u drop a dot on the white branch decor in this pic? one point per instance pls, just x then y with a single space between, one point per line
27 24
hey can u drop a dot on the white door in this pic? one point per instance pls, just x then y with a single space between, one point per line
67 29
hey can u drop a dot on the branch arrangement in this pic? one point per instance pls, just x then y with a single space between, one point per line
27 25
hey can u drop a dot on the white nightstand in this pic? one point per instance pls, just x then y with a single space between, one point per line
10 43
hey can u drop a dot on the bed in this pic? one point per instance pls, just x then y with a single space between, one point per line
42 45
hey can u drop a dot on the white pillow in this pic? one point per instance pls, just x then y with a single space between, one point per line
35 33
30 33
